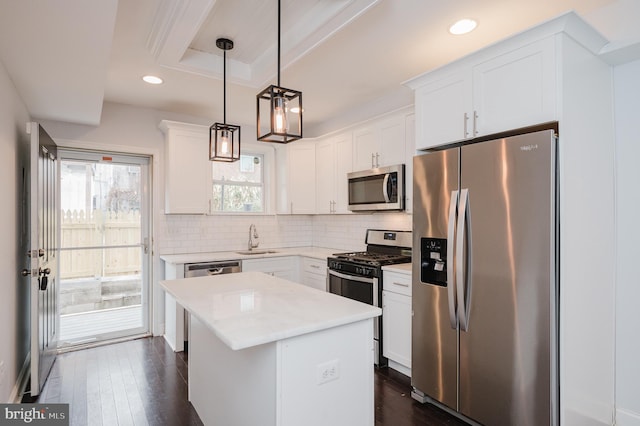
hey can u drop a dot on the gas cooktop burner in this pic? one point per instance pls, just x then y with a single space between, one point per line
373 258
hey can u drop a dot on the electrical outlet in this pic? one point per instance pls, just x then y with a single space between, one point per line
328 371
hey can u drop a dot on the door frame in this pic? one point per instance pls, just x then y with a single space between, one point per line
156 156
117 157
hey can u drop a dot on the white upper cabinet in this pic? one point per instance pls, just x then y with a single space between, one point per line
379 144
366 144
443 108
344 165
333 162
301 167
410 148
392 141
188 179
325 176
516 89
511 90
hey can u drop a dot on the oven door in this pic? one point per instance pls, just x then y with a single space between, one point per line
362 289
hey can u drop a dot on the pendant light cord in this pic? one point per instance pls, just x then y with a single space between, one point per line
278 43
224 87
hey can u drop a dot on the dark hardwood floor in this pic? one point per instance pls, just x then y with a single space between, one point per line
143 382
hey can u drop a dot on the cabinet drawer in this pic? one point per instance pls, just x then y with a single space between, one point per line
314 266
271 264
396 283
315 281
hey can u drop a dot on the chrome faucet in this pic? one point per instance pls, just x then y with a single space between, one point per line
253 234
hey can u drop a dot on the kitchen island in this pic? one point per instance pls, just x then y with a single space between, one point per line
267 351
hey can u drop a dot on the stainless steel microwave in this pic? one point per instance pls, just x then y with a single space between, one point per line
377 189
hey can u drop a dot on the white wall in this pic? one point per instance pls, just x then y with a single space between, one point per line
627 107
14 302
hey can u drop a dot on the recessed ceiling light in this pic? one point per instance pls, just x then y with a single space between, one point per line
463 26
152 79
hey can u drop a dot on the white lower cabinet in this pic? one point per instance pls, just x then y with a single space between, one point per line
281 267
396 320
314 273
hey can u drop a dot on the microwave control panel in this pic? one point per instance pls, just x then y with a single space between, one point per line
433 261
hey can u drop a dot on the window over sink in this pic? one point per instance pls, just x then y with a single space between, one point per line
239 186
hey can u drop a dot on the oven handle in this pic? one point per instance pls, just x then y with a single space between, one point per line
351 277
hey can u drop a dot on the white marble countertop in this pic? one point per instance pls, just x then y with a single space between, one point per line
401 268
313 252
252 308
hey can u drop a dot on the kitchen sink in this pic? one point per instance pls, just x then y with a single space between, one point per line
248 252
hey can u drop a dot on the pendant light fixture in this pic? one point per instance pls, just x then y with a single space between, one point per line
224 139
279 110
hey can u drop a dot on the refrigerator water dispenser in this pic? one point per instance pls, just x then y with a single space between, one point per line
433 261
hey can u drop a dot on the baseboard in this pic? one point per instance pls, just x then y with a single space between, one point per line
22 380
399 367
627 418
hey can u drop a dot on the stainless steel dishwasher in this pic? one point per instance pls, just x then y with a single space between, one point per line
212 268
204 269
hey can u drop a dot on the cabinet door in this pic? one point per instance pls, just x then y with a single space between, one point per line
443 111
516 89
392 142
302 178
325 176
188 177
410 151
344 165
396 327
366 144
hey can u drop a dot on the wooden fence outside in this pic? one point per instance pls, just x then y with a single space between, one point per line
99 229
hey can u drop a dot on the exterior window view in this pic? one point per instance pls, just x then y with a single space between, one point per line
100 258
239 186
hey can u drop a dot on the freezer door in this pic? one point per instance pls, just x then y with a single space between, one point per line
507 354
434 356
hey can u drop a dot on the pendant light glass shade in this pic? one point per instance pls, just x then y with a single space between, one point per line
224 139
224 142
282 119
279 110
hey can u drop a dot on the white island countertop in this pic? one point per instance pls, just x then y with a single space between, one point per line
252 308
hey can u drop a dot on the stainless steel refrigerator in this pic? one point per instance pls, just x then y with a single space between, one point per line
485 290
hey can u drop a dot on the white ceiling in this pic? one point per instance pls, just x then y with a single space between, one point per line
348 57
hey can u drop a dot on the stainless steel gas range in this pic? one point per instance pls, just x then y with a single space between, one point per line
358 275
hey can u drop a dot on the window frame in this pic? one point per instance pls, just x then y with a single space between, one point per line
267 152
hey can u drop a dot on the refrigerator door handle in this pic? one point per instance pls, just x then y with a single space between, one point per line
463 260
451 234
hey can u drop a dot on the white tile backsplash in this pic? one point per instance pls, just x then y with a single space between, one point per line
179 234
349 231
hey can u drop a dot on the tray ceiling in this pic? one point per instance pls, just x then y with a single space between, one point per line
184 33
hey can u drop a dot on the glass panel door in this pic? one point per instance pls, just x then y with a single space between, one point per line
104 255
